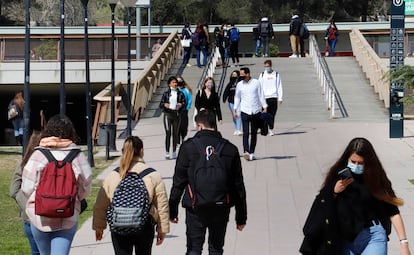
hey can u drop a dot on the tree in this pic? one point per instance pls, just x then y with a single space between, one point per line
406 75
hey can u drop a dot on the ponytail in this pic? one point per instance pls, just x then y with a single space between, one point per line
132 148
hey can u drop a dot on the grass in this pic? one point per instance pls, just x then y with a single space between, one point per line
12 238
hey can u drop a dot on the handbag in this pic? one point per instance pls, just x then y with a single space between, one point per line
12 112
186 43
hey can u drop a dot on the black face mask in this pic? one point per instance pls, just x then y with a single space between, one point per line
233 79
181 84
241 78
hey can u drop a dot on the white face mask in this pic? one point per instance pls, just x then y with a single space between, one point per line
356 169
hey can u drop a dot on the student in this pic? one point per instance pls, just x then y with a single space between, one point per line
213 217
208 98
187 91
331 37
172 102
251 100
18 122
355 208
132 160
228 95
55 235
17 194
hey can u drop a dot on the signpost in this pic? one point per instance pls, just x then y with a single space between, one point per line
397 34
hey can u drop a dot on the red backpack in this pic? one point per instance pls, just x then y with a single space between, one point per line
57 189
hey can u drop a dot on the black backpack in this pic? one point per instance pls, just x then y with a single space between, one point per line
209 187
130 207
304 31
264 29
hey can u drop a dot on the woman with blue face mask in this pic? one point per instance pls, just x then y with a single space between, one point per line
354 211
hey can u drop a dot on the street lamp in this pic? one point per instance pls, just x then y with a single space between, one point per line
112 127
26 93
88 87
62 58
129 4
140 4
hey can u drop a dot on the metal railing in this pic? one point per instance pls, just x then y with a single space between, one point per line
372 65
142 87
210 68
329 90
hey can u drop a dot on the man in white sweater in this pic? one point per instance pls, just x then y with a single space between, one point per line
272 88
249 96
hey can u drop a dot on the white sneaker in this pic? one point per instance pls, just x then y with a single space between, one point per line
174 155
270 133
251 157
167 155
236 132
293 56
246 156
239 133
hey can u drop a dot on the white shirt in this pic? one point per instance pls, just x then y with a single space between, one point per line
250 97
271 85
173 99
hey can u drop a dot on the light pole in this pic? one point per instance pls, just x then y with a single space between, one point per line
112 127
129 4
88 88
140 4
62 59
26 92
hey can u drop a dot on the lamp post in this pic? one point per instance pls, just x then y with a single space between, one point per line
88 87
140 4
26 93
129 4
62 58
112 127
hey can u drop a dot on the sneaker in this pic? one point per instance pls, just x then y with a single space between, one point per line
236 132
239 133
167 155
270 133
188 65
293 56
174 155
251 157
246 156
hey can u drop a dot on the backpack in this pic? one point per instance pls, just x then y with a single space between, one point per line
209 187
304 31
12 111
234 35
264 28
195 39
57 188
130 207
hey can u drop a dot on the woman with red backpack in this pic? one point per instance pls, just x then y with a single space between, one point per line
331 37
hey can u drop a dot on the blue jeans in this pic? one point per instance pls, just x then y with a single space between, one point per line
55 242
370 241
258 43
236 121
187 55
32 242
254 121
332 44
265 48
203 50
18 126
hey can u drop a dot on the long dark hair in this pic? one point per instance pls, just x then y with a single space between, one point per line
374 175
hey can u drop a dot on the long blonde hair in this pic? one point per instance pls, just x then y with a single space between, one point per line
132 148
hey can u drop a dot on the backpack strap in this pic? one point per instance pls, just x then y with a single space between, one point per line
72 154
146 172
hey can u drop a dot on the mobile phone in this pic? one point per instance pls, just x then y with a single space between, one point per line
345 173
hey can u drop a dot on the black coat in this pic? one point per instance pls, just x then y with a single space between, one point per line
166 99
188 157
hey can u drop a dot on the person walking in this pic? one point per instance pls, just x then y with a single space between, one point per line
199 40
219 43
252 102
187 91
213 217
172 102
55 235
228 95
17 194
15 112
331 37
359 204
257 40
208 98
294 36
132 161
186 35
156 47
266 34
234 34
273 91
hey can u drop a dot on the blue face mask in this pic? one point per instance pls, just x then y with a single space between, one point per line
356 169
267 69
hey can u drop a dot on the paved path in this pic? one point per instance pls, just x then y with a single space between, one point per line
289 169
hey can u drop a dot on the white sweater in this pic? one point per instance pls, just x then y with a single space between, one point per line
271 85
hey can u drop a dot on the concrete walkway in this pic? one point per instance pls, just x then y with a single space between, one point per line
289 169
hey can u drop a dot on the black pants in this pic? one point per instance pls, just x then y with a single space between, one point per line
142 242
251 122
234 52
197 224
183 130
171 126
272 109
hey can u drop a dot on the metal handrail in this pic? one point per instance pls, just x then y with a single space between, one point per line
210 67
332 96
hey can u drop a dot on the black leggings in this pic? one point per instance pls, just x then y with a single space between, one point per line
183 130
142 242
171 126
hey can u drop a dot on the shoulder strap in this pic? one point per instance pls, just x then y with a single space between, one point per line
47 154
72 154
146 172
198 145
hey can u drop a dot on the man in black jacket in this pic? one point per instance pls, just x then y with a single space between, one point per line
214 217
